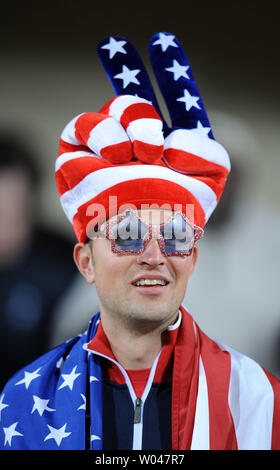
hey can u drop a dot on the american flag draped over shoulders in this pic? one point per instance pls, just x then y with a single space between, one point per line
47 404
221 400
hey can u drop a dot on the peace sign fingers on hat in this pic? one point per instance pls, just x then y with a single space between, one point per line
177 84
125 69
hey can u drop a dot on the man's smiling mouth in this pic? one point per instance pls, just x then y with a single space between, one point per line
150 282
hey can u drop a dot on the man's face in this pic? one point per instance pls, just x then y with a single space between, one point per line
116 275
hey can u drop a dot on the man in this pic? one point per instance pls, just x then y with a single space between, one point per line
143 376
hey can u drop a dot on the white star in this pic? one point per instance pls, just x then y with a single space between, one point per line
114 46
28 377
189 100
40 405
2 405
69 379
201 130
57 434
178 70
128 76
165 40
83 406
10 432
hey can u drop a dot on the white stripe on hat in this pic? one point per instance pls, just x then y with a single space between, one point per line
68 133
105 133
200 437
67 156
194 143
251 400
119 105
98 181
147 130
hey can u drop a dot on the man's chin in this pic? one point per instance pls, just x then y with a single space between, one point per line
148 316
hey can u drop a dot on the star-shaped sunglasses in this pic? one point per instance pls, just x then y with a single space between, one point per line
130 234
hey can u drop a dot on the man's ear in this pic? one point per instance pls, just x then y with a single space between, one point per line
84 261
195 256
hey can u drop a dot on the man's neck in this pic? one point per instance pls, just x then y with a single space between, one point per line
132 348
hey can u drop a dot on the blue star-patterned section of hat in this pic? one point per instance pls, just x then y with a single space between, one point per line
173 72
177 84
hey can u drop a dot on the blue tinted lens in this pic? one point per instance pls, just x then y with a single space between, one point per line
130 244
178 235
129 233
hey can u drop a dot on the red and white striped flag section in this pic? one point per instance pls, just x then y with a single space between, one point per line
223 400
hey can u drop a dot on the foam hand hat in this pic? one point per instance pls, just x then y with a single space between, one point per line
127 155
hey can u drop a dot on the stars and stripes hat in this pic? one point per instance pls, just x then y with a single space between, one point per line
126 154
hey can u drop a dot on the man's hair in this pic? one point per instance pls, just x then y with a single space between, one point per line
16 156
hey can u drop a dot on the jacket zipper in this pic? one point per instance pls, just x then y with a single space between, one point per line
137 410
137 401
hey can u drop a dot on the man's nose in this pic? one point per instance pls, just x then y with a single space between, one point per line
152 254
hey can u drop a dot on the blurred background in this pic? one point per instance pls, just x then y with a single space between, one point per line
50 73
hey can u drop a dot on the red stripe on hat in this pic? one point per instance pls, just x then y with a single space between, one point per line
275 438
135 193
73 171
117 153
193 164
65 147
217 365
62 185
76 169
147 153
85 124
216 184
210 173
138 111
